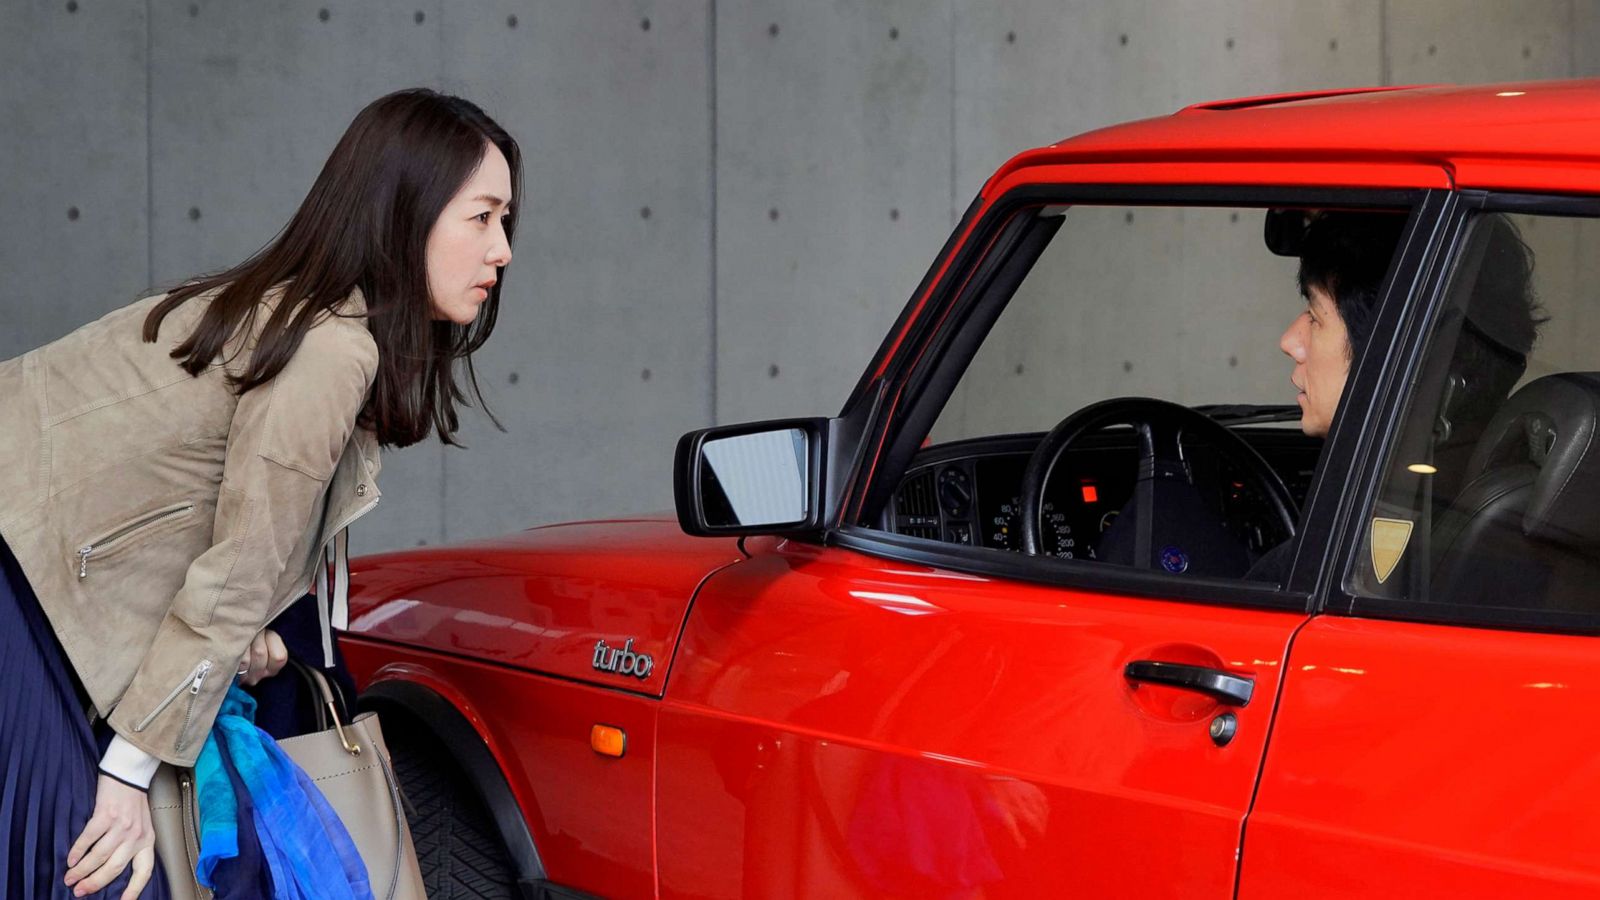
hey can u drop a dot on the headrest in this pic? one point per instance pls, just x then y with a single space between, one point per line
1551 424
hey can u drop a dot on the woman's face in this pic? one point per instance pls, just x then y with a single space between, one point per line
468 242
1320 347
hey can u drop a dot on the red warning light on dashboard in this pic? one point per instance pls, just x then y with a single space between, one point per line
1090 495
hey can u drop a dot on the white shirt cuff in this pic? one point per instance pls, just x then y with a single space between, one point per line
128 764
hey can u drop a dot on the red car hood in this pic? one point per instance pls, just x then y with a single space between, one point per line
544 599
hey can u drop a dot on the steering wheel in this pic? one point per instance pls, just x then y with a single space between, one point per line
1173 525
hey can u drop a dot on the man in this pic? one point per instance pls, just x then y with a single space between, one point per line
1343 259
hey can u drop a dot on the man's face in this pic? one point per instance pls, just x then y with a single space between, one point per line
1320 347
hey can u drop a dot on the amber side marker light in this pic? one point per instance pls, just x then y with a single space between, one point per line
608 740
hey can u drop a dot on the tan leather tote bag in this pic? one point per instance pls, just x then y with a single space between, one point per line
349 762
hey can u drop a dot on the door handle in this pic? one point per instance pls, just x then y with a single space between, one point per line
1234 690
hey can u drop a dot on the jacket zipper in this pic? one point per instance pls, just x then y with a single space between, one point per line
98 544
191 683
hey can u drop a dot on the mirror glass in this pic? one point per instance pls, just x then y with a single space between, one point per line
754 479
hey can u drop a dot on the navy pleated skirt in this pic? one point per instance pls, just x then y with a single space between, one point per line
48 750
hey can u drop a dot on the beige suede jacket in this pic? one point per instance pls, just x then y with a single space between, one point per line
163 521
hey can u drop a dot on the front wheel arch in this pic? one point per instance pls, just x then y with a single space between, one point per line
468 750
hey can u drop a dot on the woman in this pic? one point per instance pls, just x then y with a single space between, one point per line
181 470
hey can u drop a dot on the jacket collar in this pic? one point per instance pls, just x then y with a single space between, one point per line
354 303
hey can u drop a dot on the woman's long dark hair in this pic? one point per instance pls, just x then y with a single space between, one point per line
365 224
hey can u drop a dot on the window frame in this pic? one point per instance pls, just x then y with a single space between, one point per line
930 369
1342 600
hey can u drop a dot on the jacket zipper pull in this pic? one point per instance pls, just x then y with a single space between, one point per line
188 713
191 684
83 560
199 676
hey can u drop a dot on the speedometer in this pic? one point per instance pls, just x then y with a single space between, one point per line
1058 537
1004 528
1004 531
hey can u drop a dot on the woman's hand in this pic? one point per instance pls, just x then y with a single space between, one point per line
267 657
118 832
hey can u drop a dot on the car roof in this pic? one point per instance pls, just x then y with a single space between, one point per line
1529 136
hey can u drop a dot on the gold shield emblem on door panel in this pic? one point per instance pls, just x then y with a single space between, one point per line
1389 539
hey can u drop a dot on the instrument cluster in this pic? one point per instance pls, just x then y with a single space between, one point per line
971 493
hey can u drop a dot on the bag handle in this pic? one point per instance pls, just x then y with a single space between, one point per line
321 686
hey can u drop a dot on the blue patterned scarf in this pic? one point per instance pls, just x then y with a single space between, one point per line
262 820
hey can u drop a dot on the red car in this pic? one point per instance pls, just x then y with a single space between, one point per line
1127 569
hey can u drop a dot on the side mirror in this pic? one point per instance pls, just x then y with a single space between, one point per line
759 478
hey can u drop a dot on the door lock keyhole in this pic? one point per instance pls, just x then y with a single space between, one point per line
1223 728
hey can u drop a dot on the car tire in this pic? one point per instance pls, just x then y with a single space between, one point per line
458 848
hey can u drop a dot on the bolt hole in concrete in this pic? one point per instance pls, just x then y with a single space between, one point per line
645 375
644 24
1333 44
894 215
72 6
194 213
772 30
72 214
894 34
773 214
1127 366
772 371
1228 43
324 15
1122 39
511 21
194 10
1011 37
513 378
644 212
420 17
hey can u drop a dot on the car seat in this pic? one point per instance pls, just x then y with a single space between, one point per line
1524 532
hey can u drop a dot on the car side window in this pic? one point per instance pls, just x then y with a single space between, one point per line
1491 495
1135 403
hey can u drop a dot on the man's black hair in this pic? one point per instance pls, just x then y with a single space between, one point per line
1487 333
1346 254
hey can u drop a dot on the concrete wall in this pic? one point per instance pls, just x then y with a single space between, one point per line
727 202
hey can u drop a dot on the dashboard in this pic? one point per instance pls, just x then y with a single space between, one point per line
970 492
